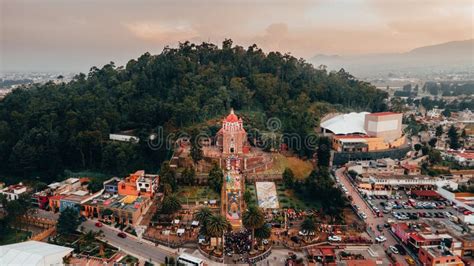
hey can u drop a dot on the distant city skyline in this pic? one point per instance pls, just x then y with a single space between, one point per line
55 35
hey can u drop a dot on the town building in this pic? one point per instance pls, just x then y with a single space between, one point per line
116 208
364 132
75 199
139 184
13 192
111 185
438 255
71 193
385 184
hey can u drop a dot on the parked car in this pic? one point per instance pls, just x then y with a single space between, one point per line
401 249
335 238
393 249
305 233
98 224
122 235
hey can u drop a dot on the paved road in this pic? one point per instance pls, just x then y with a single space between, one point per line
131 245
372 221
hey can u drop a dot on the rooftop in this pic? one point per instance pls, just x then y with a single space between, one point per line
30 253
399 177
438 252
117 201
383 114
232 117
14 188
346 123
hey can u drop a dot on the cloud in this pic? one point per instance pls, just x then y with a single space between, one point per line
35 32
159 33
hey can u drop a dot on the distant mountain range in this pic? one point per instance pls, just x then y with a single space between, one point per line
445 57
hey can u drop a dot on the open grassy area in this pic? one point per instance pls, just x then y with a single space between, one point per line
300 168
196 193
11 236
288 199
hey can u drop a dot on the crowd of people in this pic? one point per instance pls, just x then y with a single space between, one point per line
237 242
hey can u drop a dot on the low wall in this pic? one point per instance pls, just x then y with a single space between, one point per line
341 158
213 258
263 177
44 234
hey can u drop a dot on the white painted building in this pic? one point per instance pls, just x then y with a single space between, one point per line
124 138
13 192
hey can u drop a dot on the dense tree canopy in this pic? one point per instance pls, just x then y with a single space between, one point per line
68 221
47 128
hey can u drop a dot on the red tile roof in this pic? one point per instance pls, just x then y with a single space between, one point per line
417 237
328 251
425 193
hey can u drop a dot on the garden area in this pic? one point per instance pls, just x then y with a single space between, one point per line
291 200
129 260
193 194
85 244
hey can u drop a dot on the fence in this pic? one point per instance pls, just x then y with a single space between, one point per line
341 158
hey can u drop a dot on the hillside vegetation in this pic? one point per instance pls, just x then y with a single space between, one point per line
45 129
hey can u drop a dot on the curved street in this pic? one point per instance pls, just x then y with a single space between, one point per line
372 220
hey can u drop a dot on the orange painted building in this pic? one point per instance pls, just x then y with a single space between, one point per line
139 184
363 143
431 256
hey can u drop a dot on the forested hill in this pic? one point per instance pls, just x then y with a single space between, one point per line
47 128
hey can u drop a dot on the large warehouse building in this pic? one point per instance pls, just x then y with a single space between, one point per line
364 132
33 253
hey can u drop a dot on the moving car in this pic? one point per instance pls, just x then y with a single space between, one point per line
98 224
380 239
409 260
122 235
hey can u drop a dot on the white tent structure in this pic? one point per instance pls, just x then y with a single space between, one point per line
33 253
344 124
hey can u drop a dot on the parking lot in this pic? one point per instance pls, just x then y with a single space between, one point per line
401 207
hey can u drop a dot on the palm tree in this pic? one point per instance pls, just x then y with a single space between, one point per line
253 218
203 216
308 226
263 232
216 225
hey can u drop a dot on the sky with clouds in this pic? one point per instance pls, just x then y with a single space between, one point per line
72 35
